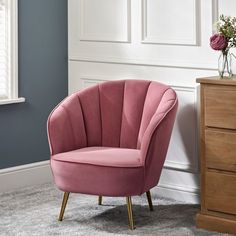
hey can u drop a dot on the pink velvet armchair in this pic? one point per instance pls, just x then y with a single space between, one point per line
112 139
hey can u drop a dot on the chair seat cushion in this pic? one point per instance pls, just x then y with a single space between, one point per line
103 171
102 156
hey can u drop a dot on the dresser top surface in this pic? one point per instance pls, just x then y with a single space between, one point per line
217 80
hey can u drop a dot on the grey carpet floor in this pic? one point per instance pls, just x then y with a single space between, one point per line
34 211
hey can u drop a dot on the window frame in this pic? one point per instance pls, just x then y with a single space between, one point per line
12 97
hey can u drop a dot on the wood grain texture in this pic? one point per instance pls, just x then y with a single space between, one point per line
216 80
220 149
220 106
202 149
218 155
221 192
215 223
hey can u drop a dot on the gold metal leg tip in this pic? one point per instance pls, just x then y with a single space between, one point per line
132 227
130 213
63 206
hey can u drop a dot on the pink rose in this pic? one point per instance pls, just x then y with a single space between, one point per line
218 42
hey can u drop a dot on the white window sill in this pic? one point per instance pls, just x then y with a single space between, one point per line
11 101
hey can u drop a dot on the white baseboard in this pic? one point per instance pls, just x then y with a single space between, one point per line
178 193
25 175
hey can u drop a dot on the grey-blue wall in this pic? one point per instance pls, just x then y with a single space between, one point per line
43 79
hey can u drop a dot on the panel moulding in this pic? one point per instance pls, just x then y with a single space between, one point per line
105 37
194 41
215 13
203 65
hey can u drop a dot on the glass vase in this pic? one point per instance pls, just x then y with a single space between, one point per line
224 64
233 64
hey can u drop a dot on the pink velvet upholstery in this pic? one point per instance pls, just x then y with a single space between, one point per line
112 139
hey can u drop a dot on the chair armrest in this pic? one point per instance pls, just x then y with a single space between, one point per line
156 139
59 132
160 126
65 126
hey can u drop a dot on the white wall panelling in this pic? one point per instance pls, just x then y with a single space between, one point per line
179 77
165 23
182 153
215 13
193 46
86 82
162 40
105 20
178 185
226 7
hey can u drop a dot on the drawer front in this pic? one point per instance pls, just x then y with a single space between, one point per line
221 192
220 148
220 107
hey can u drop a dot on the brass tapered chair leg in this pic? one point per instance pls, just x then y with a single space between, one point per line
149 198
63 205
99 200
130 212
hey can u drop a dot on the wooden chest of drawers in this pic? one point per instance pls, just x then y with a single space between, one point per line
218 155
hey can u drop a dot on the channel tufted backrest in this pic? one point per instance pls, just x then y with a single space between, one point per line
112 114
